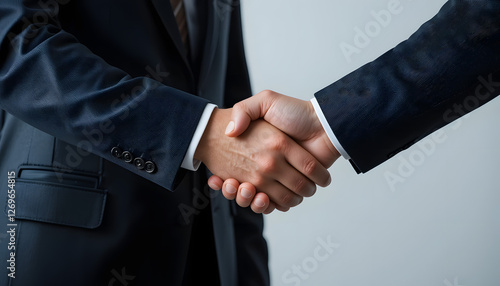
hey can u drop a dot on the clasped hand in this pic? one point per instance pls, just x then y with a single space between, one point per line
268 152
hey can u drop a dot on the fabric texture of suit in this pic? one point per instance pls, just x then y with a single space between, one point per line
79 79
448 68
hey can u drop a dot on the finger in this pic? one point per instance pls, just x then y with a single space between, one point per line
230 189
270 208
280 195
282 209
295 181
215 183
248 110
274 207
306 164
260 203
246 193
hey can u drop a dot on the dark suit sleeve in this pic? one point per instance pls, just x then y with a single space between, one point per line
449 67
51 81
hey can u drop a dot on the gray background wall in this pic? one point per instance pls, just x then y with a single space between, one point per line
439 224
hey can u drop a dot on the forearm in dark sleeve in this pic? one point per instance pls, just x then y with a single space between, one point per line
416 88
54 83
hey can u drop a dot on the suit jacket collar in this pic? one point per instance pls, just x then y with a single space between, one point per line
214 20
166 14
218 17
218 25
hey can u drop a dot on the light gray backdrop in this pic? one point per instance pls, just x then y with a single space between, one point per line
431 215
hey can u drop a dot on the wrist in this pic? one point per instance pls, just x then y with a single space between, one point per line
335 153
213 133
332 142
320 132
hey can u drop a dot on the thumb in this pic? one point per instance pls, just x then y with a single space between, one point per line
247 111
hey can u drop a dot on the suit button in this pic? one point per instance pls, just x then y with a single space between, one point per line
116 152
139 163
150 167
127 156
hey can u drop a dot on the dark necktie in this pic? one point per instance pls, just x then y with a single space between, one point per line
180 17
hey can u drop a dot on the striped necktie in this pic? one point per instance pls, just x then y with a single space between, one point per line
180 17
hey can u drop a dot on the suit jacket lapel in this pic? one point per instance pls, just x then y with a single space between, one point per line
211 42
218 13
164 10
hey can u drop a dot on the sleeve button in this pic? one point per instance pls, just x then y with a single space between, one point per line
127 156
139 163
116 152
150 167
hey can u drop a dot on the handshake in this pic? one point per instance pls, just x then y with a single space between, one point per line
271 154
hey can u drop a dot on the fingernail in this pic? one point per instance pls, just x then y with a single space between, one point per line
230 189
214 187
246 193
230 127
260 203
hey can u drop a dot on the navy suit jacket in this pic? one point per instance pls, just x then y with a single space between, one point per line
99 101
448 68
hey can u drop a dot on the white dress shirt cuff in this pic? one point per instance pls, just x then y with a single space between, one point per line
189 163
328 129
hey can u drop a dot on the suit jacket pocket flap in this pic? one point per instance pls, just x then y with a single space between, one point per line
59 204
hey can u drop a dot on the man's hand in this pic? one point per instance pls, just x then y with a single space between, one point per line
264 157
294 117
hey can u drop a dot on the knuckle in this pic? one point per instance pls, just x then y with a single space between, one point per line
268 165
279 143
300 185
290 200
239 106
310 167
304 187
267 93
258 181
